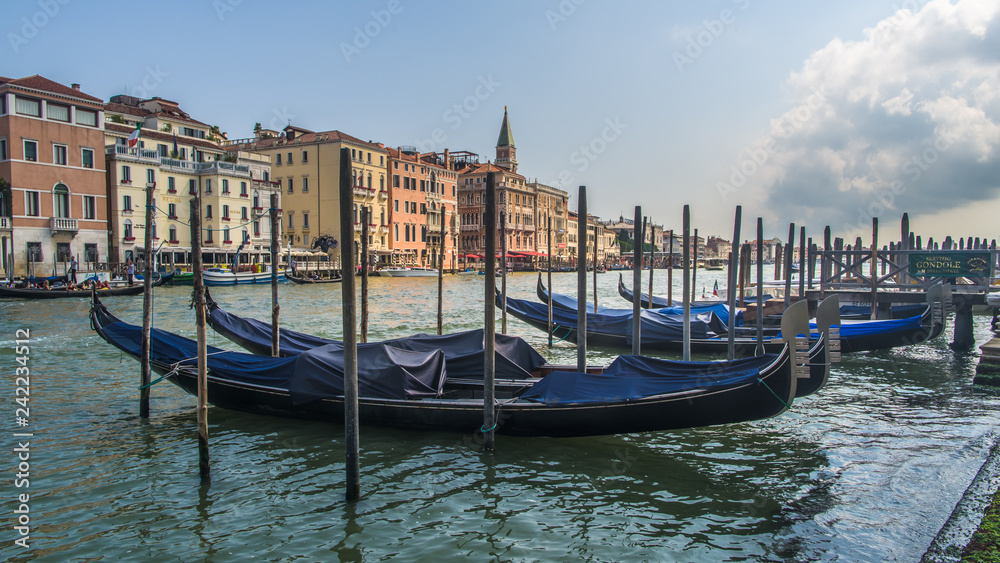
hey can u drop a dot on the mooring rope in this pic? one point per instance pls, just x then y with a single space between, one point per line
776 396
569 331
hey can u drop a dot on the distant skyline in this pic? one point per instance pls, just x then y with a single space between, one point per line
813 113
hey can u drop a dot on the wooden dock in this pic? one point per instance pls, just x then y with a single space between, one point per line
988 371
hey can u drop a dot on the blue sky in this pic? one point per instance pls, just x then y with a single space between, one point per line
823 106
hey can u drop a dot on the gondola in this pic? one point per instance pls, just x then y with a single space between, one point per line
62 291
515 358
308 281
412 390
660 331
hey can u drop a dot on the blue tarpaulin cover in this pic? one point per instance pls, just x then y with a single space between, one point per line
463 351
720 309
637 377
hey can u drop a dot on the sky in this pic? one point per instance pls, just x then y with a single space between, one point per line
813 113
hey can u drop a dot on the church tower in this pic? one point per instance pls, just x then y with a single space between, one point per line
506 153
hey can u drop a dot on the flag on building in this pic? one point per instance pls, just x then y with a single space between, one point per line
715 290
175 153
133 139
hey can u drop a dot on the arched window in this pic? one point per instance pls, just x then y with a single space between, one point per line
127 229
381 182
173 233
246 235
226 233
369 180
60 196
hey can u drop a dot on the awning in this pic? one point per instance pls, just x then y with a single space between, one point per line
473 256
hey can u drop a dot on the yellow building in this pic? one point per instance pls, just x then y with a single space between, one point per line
306 164
550 202
177 156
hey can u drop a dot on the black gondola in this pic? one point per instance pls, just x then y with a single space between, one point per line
411 390
59 292
308 281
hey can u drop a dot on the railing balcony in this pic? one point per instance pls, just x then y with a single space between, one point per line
220 165
171 190
471 227
225 218
244 195
5 223
134 153
265 184
64 224
357 227
383 194
128 239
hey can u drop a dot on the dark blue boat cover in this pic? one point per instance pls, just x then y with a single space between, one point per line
384 372
463 351
897 309
862 329
637 377
653 327
720 309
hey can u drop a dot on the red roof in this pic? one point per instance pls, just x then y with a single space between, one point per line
126 130
37 82
307 138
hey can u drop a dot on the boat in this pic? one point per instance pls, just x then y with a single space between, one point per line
63 291
515 358
413 390
664 331
307 281
661 302
225 276
714 264
407 272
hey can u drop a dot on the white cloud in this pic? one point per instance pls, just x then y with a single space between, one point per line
905 119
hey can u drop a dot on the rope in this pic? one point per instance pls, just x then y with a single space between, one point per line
496 415
569 331
766 386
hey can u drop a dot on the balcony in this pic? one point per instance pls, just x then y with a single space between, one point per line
225 218
221 166
265 184
357 227
383 194
4 223
361 191
244 194
128 239
171 190
134 153
470 227
64 224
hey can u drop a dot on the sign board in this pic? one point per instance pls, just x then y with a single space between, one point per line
959 264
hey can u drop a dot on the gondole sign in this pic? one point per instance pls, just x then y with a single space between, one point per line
961 264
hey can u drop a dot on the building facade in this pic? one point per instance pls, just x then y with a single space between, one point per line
52 197
423 195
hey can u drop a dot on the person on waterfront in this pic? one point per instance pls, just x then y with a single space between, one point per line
71 275
130 271
293 267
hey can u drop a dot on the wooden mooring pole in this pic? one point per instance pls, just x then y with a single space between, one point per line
637 280
351 425
363 262
275 307
641 240
686 291
440 325
788 264
503 269
147 305
652 265
694 268
548 237
204 466
490 324
760 287
874 268
581 282
670 271
734 256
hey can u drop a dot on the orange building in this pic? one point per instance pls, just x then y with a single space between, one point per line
423 194
53 202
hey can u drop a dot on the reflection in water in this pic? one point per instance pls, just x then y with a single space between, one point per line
867 469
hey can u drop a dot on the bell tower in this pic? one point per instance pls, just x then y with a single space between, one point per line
506 152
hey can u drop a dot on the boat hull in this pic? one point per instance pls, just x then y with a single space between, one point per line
220 278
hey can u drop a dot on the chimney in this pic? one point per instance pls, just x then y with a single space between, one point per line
447 159
75 86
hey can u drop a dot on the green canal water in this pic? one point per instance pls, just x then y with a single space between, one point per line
868 469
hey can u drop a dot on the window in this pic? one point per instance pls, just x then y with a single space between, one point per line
173 234
87 157
35 251
225 186
423 233
60 200
27 106
86 117
208 212
31 151
406 232
161 150
57 112
397 231
127 230
89 207
225 213
395 180
305 157
192 187
59 154
150 176
291 185
126 174
395 204
256 228
305 185
243 214
381 160
208 186
423 209
395 165
171 185
278 161
289 158
291 221
406 206
305 220
172 210
3 147
209 235
243 189
225 233
90 252
127 203
31 204
246 236
423 185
